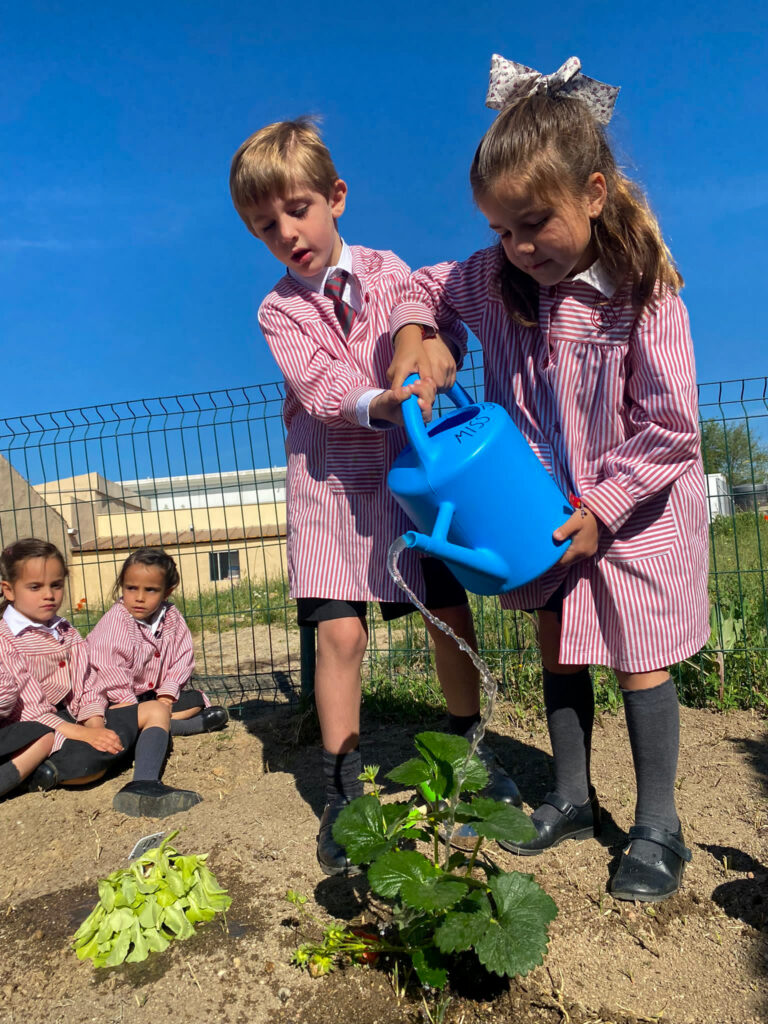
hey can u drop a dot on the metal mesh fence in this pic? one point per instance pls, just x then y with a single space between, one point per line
203 475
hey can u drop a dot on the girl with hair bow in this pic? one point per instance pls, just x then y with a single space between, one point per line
587 345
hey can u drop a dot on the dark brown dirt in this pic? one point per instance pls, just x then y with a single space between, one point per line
699 958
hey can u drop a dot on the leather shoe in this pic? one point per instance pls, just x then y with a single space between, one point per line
150 798
332 857
214 718
651 875
580 821
43 778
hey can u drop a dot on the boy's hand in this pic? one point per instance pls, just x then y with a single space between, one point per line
388 405
584 530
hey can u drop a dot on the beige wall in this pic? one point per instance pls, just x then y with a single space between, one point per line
176 521
82 500
93 573
25 513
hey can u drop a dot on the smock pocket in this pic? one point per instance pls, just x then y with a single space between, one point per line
649 532
354 459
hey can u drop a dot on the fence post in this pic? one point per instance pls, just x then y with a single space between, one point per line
307 649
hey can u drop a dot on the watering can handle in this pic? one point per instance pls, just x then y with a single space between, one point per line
414 424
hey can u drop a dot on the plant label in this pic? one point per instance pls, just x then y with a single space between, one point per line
147 843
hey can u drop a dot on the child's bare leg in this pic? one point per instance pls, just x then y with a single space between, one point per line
459 679
84 780
189 713
341 645
30 757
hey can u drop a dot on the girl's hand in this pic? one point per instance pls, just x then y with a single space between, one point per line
388 405
442 361
584 530
410 357
101 738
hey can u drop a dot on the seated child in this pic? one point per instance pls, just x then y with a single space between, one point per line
326 323
54 717
143 651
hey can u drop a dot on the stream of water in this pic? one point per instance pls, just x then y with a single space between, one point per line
488 683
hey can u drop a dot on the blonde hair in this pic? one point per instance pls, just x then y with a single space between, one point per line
552 145
277 158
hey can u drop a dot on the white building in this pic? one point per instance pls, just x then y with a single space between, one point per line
210 490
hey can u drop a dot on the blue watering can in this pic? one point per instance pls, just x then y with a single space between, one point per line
484 503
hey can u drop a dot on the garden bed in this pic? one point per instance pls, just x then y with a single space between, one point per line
699 958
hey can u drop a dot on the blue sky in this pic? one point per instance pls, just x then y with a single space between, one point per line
124 270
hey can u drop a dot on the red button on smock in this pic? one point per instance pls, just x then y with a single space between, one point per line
157 654
62 664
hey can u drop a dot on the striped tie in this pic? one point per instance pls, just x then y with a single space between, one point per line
334 287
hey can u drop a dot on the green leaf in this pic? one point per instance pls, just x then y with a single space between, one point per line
90 925
463 928
120 919
150 914
515 942
140 949
432 894
388 872
496 820
516 893
107 895
410 773
395 814
156 941
361 830
88 950
119 950
447 755
175 920
430 967
175 882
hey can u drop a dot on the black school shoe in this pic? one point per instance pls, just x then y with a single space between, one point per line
332 857
149 798
214 718
43 778
653 875
575 821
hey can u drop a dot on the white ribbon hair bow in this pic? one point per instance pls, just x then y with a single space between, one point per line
511 82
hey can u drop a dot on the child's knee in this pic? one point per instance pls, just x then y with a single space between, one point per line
345 638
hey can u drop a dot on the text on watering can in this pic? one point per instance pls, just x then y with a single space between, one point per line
471 428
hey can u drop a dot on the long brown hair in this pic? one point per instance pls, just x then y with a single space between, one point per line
551 145
14 556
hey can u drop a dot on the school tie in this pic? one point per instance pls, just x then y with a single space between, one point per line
334 287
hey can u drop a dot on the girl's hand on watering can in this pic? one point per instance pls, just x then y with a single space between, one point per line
410 356
442 361
584 530
388 405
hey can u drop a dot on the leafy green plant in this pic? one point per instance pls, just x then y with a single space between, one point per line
462 905
141 909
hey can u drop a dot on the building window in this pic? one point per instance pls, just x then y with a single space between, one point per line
225 565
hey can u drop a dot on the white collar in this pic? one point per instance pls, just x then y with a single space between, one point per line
154 624
317 282
17 622
598 277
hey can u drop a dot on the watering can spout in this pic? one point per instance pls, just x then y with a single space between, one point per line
475 560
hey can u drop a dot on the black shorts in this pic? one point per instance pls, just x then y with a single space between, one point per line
188 699
554 603
16 735
442 590
78 758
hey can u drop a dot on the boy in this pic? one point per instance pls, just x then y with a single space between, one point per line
326 323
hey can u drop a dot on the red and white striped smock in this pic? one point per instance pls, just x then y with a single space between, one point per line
608 402
341 516
39 672
131 661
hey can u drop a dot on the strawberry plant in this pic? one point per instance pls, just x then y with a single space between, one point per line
462 904
141 909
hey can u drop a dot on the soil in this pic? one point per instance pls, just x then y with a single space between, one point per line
699 958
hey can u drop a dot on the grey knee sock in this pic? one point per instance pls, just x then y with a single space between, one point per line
570 704
151 748
341 776
653 723
187 726
9 777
